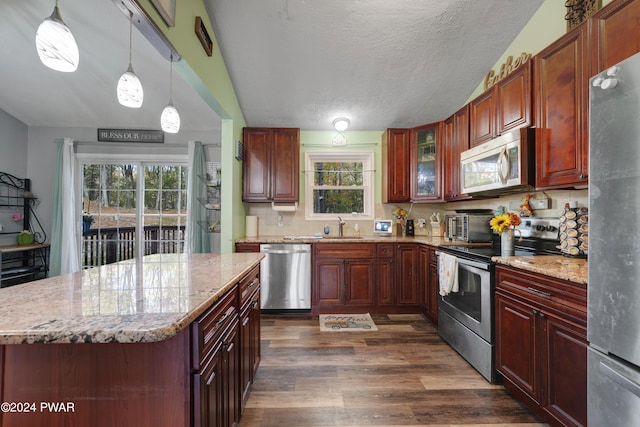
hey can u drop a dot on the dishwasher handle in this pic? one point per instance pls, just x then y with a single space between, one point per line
284 251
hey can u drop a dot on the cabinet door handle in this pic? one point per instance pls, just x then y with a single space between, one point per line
583 176
537 291
229 347
211 377
534 312
542 316
221 320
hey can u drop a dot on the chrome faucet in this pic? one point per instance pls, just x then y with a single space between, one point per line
340 226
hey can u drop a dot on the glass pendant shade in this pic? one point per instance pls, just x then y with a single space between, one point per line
341 124
130 93
56 46
170 119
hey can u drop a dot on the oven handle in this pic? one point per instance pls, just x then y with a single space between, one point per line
464 261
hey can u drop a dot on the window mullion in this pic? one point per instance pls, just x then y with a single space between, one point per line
140 189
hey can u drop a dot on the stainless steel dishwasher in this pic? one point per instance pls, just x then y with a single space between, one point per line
285 276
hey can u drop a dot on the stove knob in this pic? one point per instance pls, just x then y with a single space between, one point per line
551 228
540 228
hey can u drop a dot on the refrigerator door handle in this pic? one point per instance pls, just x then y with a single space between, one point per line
620 379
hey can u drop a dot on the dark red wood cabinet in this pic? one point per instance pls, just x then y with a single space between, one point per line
616 34
505 106
396 166
426 163
456 140
562 108
271 159
541 343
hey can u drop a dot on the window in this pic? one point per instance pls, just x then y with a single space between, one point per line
133 209
338 184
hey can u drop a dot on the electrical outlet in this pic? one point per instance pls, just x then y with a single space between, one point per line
540 203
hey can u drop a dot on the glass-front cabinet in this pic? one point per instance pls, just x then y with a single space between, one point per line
426 174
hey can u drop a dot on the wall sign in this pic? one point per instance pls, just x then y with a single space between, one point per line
130 135
505 69
203 36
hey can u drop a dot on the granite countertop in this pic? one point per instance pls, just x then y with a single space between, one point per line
558 266
144 300
433 241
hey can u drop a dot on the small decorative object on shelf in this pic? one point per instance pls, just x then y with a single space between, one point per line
25 237
400 215
17 217
504 225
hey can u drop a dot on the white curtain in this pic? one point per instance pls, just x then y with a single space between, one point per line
65 221
196 237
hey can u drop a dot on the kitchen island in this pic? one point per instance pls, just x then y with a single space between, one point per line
121 344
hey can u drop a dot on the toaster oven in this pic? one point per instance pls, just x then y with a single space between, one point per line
468 227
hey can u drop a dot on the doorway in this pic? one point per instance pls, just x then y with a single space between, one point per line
132 209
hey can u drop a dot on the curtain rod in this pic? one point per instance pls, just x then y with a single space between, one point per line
139 144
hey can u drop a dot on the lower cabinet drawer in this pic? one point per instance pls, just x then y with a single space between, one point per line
208 329
248 284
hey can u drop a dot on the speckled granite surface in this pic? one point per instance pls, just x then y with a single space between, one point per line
558 266
433 241
145 300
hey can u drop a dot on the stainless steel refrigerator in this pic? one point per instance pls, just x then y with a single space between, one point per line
613 325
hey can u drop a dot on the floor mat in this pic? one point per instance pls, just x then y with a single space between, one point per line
346 322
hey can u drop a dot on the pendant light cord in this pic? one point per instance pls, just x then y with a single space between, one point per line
171 80
130 34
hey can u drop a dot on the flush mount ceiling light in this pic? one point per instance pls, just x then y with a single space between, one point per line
170 119
341 124
55 44
130 92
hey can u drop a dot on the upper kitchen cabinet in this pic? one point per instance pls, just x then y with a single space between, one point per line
616 33
426 158
271 164
396 165
561 79
505 106
456 140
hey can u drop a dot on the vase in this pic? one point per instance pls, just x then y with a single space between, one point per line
400 228
506 242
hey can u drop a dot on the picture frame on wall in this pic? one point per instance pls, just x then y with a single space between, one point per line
167 10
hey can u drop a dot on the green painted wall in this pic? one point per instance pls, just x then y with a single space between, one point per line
209 77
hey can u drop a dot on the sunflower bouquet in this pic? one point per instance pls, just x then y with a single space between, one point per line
502 222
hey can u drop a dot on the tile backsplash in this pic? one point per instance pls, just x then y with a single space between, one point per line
281 223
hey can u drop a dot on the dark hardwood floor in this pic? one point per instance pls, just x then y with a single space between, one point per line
403 374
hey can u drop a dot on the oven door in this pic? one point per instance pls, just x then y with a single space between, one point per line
472 305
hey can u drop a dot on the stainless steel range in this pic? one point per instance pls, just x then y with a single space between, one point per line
466 317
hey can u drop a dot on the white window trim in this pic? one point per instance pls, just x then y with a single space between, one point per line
366 157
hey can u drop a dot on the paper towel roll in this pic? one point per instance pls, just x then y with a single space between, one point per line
251 226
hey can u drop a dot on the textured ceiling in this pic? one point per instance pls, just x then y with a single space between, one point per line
39 96
298 63
381 63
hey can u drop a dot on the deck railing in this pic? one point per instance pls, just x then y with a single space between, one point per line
102 246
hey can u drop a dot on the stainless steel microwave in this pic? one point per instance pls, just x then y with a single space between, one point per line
502 165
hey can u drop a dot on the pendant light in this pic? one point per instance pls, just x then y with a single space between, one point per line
55 44
170 119
130 92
